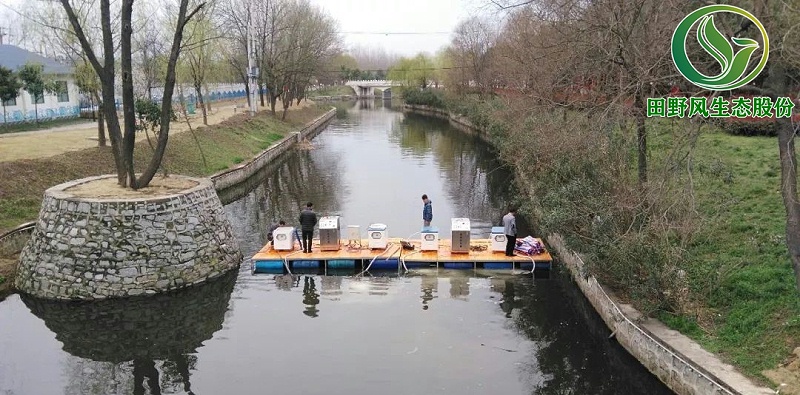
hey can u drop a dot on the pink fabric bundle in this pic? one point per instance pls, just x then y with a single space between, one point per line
529 246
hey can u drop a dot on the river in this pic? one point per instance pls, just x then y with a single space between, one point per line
429 332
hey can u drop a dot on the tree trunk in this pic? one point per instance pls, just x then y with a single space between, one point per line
247 92
199 91
106 74
169 88
208 103
788 157
778 81
36 110
5 120
261 92
641 134
101 131
128 110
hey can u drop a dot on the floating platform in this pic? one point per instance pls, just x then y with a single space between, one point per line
355 258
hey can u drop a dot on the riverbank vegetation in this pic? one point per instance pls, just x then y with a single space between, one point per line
334 90
680 217
203 152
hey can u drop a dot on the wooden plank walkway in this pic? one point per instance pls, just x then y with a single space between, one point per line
394 251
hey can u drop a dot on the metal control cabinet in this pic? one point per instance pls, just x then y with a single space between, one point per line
461 233
430 239
498 239
330 233
378 236
283 238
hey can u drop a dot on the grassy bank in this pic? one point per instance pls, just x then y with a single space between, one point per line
702 247
208 150
31 126
748 309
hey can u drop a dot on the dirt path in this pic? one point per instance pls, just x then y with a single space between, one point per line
52 142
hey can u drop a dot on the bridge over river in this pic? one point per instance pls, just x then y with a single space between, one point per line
366 88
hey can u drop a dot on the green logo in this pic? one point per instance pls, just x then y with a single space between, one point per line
734 65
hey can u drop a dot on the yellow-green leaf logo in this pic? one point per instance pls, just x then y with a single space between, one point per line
733 62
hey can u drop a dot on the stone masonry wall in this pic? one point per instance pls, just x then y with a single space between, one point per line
94 249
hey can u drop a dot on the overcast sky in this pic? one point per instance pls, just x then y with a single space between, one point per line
438 17
357 17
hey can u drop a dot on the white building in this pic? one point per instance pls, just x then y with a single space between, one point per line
22 109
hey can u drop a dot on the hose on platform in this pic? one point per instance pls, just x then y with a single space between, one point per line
388 248
403 260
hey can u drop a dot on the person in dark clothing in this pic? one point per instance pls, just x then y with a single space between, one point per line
427 211
510 229
308 219
272 228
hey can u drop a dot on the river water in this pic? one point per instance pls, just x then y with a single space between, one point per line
430 332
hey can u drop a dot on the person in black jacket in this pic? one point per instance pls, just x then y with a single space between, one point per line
308 219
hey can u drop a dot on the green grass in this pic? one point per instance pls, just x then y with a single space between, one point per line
31 126
336 90
753 316
207 151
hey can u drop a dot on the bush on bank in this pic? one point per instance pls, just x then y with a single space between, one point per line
700 245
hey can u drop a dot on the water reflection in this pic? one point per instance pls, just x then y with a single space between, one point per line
459 287
140 345
310 297
466 163
429 285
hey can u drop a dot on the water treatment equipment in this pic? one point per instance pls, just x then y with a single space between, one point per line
430 238
329 233
498 239
283 238
378 236
354 236
460 230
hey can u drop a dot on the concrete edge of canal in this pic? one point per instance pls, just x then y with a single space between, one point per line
679 362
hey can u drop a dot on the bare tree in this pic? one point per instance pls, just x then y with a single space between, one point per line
471 48
122 146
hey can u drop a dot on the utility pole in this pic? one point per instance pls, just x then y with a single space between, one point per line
252 70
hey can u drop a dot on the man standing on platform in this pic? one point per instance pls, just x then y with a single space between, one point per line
510 229
427 211
308 219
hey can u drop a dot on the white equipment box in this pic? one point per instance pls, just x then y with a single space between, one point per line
461 233
283 238
430 238
498 239
378 236
329 233
354 235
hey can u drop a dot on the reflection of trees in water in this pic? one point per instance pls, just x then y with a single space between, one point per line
300 177
138 345
565 360
476 181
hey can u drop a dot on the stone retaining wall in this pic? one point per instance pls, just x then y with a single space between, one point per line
85 248
679 372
